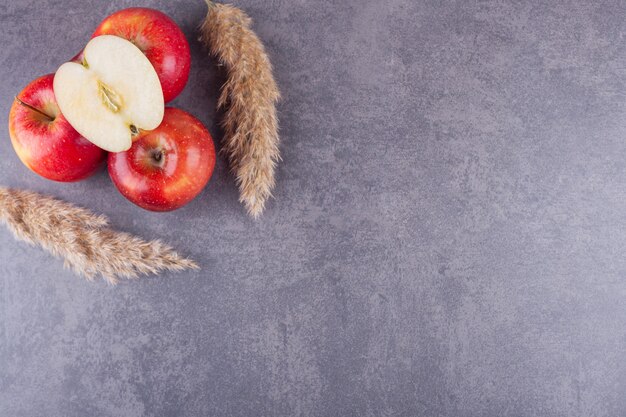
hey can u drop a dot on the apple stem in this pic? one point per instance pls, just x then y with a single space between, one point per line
47 116
158 157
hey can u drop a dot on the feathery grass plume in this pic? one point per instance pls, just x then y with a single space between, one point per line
249 98
83 239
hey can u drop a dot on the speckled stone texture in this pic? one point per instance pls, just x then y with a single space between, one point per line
448 236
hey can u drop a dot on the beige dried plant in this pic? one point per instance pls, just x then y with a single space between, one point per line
83 239
249 97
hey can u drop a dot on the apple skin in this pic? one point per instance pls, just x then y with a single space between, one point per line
159 38
45 141
167 167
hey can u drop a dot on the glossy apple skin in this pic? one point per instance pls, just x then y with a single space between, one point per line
160 39
50 146
167 167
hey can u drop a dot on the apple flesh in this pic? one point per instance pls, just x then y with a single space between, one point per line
167 167
45 141
159 38
113 94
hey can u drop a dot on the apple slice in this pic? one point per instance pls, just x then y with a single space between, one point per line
112 95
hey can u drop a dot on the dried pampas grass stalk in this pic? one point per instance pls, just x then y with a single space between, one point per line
82 239
249 97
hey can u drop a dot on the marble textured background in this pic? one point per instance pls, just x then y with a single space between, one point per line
447 238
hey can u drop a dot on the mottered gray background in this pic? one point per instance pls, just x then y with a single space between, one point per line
447 236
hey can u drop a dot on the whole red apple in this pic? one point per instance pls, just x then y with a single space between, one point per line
167 167
44 140
160 39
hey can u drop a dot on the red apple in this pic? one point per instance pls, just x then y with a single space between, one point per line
159 38
44 140
167 167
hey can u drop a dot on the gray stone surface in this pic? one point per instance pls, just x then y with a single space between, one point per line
447 237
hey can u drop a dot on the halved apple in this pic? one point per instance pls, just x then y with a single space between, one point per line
112 95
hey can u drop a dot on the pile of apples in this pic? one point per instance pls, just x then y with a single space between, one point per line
108 104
